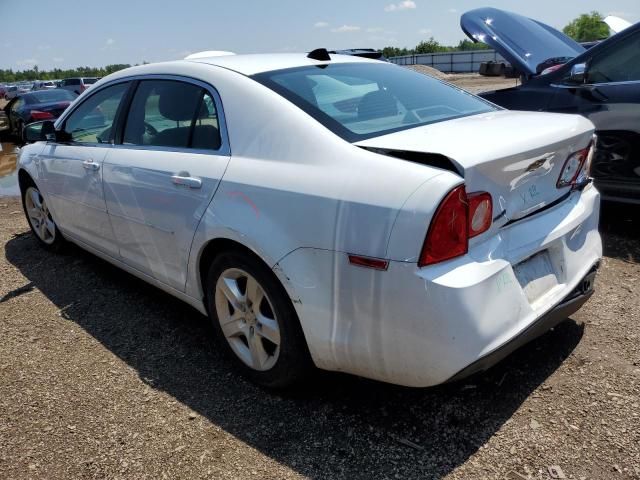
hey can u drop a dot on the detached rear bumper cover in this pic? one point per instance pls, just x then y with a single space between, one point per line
570 305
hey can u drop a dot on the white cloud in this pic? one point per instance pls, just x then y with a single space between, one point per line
404 5
27 62
346 29
375 30
57 59
110 41
320 25
424 31
44 47
453 10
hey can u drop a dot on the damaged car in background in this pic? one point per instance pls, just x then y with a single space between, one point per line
363 218
602 84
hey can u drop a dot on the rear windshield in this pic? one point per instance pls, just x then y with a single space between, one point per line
363 100
57 95
89 80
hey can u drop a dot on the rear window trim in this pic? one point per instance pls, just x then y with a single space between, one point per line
336 127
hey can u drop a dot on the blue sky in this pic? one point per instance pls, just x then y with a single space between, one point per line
74 33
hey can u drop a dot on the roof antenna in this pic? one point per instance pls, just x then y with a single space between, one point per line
319 54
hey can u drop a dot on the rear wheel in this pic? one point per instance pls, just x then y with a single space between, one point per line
39 217
255 321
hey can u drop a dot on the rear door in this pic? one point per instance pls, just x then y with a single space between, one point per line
72 170
162 174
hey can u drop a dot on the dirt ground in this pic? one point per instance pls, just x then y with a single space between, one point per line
103 376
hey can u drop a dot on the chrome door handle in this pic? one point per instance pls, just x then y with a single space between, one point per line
91 165
187 181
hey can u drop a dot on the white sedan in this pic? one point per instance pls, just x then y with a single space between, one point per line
326 210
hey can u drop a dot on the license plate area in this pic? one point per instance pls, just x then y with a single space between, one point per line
536 275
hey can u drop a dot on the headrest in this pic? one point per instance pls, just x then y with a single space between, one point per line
178 104
377 104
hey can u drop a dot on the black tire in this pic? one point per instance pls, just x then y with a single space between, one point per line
58 241
293 362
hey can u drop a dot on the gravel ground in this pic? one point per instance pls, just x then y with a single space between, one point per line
102 376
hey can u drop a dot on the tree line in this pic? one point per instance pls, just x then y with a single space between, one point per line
34 73
433 46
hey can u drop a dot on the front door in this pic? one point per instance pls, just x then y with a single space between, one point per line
610 98
161 178
72 171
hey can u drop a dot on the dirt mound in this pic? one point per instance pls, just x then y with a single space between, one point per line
433 72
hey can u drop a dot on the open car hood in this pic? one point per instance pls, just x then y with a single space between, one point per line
522 41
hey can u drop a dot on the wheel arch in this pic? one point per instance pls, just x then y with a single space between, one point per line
218 245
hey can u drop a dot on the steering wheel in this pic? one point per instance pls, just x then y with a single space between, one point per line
150 129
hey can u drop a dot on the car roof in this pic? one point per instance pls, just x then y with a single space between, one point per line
252 64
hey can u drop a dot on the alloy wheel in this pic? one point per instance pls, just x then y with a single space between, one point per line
39 216
247 319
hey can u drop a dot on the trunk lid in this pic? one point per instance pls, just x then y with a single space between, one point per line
526 43
515 156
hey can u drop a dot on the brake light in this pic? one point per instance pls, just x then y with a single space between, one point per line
458 218
480 213
448 235
574 165
38 115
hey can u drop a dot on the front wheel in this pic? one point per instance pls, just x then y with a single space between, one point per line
255 320
40 220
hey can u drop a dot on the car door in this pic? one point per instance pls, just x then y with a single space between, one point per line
72 170
610 98
163 172
14 113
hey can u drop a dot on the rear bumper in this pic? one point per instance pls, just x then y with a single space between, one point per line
567 307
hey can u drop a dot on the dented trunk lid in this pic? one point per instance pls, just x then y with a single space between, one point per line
515 156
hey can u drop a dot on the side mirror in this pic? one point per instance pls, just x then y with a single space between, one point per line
39 131
578 73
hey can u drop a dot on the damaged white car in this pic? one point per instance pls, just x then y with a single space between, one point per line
326 210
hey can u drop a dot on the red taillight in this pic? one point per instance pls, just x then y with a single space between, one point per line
574 165
480 213
448 233
38 115
458 218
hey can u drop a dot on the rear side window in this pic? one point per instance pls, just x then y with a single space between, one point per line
72 81
89 81
171 113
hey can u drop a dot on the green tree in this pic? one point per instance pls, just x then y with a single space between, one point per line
587 28
466 44
396 52
431 46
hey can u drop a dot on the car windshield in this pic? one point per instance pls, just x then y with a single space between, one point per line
45 96
363 100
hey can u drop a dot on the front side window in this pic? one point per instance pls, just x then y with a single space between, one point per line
171 113
92 121
363 100
17 105
620 63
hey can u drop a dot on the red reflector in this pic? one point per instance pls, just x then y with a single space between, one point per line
368 262
449 230
480 213
38 115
